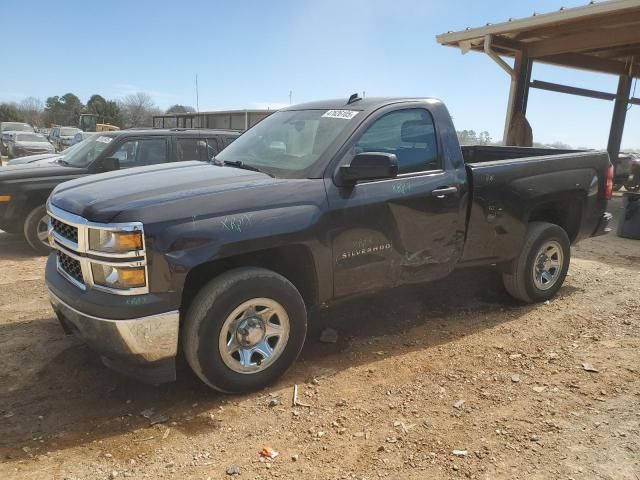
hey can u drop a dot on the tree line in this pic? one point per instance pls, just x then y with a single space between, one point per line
134 110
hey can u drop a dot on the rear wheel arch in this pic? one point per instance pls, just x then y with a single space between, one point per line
564 211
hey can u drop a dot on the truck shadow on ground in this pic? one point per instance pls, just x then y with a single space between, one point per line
67 399
14 247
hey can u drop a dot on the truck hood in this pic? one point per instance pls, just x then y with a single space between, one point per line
38 145
126 195
34 158
37 171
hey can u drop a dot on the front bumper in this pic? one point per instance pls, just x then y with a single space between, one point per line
143 347
603 225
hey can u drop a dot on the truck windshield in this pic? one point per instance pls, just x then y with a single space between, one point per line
87 151
16 127
29 137
288 143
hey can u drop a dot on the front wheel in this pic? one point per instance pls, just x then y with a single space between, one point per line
538 272
244 329
36 226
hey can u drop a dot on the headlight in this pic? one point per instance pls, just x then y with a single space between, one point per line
121 278
110 241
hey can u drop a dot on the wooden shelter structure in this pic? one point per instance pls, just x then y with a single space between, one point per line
599 37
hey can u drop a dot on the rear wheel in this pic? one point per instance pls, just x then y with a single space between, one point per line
244 329
538 272
35 230
632 186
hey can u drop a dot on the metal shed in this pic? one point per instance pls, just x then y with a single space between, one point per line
600 37
226 119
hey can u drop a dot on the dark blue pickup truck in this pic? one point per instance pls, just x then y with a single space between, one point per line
316 203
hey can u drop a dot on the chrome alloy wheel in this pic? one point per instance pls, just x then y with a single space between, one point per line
254 335
43 230
548 265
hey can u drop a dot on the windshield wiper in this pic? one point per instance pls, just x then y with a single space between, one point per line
238 164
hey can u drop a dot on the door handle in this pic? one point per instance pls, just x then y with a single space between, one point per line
444 191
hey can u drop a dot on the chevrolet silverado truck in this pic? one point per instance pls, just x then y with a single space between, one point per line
24 189
316 203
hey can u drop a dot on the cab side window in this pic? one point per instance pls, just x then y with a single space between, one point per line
212 148
203 149
139 152
188 149
409 134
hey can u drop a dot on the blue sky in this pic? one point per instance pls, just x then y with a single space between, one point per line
250 54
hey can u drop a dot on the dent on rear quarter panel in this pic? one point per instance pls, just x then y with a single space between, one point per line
502 204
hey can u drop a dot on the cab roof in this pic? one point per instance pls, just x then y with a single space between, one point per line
365 104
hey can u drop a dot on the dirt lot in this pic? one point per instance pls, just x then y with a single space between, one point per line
416 374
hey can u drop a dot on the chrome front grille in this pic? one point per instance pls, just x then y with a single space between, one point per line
65 230
70 266
69 237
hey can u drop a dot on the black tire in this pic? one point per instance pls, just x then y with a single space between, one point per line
212 306
632 186
519 279
32 225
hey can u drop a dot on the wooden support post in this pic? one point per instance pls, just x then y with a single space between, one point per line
618 117
519 90
523 80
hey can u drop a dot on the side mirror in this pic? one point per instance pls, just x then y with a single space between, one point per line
370 166
108 164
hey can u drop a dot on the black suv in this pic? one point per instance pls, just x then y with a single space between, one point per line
24 189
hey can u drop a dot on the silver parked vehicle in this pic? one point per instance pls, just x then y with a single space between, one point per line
62 137
6 130
25 143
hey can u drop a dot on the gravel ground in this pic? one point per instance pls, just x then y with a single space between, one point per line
446 380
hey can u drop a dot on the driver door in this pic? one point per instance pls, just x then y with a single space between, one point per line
397 230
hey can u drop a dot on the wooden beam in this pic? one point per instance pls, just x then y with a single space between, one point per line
621 19
620 52
591 63
582 42
506 43
581 92
556 19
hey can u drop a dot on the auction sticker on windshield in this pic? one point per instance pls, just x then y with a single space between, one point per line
104 139
346 114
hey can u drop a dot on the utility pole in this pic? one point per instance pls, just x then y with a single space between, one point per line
197 96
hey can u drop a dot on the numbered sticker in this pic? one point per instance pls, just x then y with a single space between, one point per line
104 139
345 114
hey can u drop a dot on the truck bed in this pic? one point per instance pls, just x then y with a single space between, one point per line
511 186
490 153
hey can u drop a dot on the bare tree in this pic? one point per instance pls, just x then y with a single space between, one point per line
31 109
138 110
